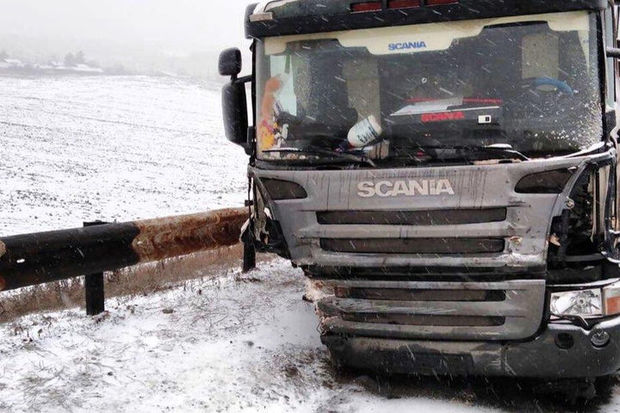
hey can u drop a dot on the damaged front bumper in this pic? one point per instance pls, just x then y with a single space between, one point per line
562 350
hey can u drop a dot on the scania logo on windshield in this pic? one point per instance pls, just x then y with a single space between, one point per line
442 116
407 45
414 187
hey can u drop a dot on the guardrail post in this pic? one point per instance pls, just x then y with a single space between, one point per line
94 286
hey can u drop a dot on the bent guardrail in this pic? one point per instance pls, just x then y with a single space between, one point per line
39 258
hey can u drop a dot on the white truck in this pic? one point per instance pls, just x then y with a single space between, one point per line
449 169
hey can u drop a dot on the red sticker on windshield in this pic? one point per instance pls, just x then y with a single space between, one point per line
442 116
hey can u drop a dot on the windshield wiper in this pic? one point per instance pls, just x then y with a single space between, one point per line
311 150
503 150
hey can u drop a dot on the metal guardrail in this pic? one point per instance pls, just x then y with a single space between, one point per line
39 258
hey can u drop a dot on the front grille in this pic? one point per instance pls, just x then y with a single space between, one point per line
414 245
414 218
506 310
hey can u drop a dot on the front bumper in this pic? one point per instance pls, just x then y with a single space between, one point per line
541 357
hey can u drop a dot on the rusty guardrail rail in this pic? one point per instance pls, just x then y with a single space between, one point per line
39 258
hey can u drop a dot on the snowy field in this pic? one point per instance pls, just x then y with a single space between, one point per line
119 148
76 149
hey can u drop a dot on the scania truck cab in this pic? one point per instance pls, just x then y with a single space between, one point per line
446 170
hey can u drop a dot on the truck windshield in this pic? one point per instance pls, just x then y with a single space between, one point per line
529 83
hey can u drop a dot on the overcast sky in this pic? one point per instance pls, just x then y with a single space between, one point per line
171 26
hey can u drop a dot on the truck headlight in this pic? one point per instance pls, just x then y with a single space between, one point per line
549 182
282 190
590 303
582 303
611 299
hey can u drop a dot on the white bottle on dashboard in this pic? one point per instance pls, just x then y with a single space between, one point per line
365 132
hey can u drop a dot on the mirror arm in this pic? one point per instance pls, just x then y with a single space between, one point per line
250 144
244 79
613 52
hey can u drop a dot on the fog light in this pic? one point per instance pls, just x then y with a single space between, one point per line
599 338
581 303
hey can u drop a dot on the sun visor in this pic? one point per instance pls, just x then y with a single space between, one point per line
426 37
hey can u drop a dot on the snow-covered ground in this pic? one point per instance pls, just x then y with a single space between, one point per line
75 149
232 343
229 345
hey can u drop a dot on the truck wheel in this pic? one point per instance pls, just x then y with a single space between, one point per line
605 386
571 392
581 392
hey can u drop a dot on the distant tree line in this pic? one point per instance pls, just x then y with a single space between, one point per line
74 59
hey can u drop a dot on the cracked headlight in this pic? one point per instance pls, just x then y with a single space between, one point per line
582 303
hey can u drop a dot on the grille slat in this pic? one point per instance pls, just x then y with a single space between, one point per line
403 294
506 308
427 320
414 245
413 218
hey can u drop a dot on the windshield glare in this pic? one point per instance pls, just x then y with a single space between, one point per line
530 82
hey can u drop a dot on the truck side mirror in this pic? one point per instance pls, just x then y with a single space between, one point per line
234 106
234 100
230 63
